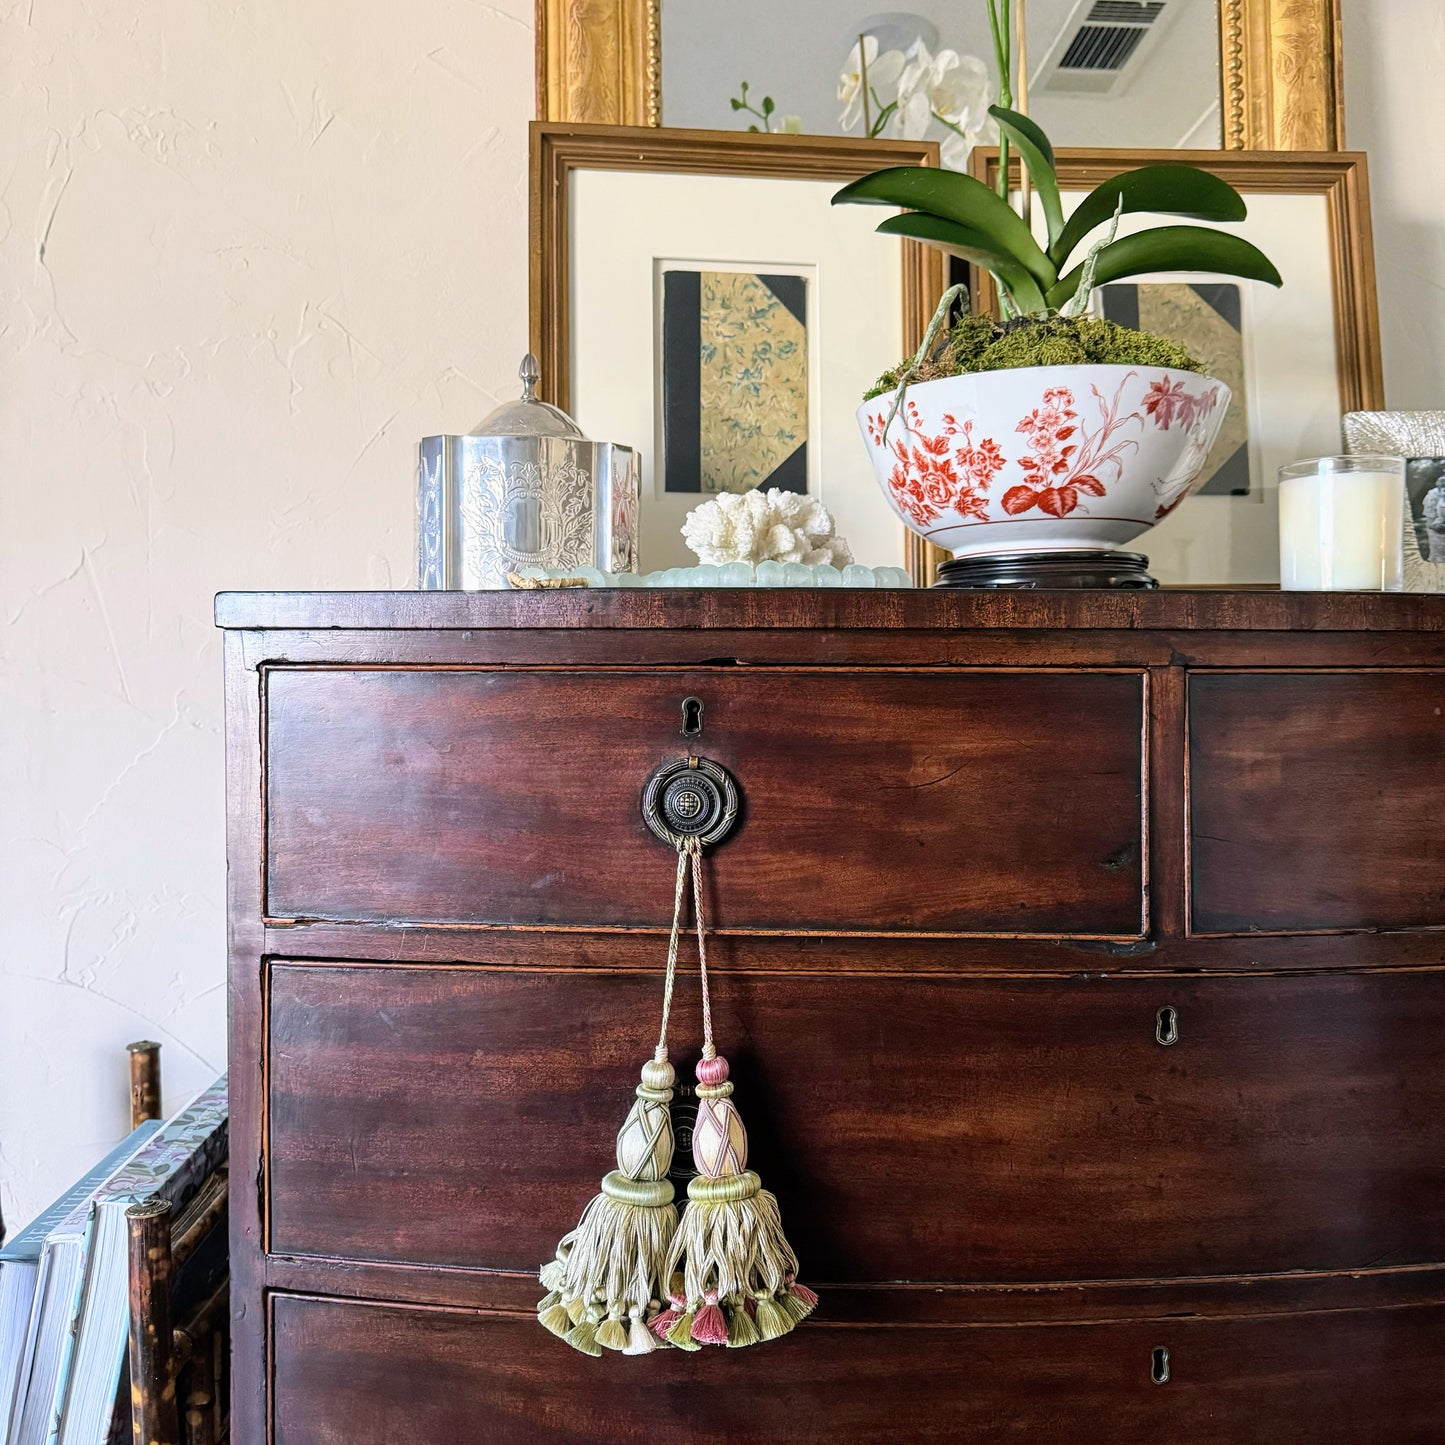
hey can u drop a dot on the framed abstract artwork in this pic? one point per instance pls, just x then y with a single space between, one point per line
738 402
695 294
1296 358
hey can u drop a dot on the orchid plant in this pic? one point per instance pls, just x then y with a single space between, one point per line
960 215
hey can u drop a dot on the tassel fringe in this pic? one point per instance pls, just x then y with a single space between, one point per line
640 1339
612 1267
742 1332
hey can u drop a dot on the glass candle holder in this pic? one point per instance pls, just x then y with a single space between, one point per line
1341 524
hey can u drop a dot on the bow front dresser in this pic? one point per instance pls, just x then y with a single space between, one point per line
1080 959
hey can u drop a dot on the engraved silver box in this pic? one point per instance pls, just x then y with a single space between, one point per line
525 489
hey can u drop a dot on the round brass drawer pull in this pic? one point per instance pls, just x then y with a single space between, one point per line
690 798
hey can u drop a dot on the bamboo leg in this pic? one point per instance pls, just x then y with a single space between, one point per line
200 1398
152 1362
145 1081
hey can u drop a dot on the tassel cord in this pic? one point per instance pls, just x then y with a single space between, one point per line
693 850
682 855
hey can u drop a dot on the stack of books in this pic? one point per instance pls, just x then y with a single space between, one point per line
64 1291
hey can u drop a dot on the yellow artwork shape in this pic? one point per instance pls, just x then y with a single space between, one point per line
1179 312
753 384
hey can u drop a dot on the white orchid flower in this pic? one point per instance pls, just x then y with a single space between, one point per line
948 85
883 73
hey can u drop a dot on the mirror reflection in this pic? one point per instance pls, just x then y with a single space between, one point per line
1115 73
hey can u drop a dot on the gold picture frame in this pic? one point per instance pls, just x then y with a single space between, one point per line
1280 66
557 150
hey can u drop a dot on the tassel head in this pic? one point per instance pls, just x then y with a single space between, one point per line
719 1140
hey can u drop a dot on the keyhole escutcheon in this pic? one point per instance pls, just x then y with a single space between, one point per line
692 717
1166 1026
1159 1365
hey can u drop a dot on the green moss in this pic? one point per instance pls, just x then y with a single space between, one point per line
978 343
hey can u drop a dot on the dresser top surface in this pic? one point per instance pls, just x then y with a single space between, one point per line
1168 610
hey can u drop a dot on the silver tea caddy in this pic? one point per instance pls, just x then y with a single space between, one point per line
525 488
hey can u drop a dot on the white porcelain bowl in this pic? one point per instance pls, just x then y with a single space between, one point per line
1043 458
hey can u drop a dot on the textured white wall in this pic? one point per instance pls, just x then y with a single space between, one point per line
250 251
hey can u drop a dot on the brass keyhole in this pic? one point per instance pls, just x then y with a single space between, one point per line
692 717
1166 1026
1159 1366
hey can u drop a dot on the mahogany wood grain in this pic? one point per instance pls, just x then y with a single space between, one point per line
633 649
1315 801
1056 1302
961 802
355 1374
917 1129
629 949
828 609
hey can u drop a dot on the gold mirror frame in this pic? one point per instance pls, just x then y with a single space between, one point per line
601 60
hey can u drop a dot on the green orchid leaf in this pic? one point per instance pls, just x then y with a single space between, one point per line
1168 190
974 247
1172 248
952 196
1038 155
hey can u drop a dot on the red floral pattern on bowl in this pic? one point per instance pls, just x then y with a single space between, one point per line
1043 457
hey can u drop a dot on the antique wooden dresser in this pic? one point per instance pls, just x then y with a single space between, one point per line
1079 957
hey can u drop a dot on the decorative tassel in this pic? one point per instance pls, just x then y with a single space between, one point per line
552 1316
709 1327
612 1264
741 1329
583 1336
612 1333
612 1267
798 1300
773 1321
677 1303
640 1340
730 1241
729 1245
681 1333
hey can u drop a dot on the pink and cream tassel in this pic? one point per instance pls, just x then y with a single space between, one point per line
737 1270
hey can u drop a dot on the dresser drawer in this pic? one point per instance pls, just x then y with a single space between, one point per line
358 1374
914 1128
945 801
1315 800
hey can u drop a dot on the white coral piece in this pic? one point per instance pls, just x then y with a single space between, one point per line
771 526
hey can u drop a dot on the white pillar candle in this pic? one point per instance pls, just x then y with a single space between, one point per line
1341 525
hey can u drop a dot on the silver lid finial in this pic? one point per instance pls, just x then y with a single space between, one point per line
530 374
